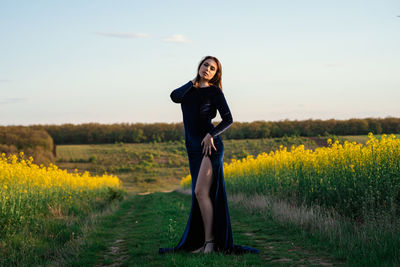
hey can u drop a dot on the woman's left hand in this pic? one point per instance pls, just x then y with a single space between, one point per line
208 143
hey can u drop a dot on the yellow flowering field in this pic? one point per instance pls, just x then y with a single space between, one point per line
352 178
29 191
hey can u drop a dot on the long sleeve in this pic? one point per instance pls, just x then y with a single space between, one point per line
225 114
178 94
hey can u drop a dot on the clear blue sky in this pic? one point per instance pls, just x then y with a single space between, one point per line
118 61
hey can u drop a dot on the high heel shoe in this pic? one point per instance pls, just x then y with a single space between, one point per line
199 250
208 246
203 248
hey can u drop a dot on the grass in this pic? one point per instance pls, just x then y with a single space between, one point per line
129 233
143 223
374 243
41 238
139 165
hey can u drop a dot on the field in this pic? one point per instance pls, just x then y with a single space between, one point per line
124 222
42 207
140 166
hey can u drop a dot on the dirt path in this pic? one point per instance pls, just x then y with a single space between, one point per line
146 222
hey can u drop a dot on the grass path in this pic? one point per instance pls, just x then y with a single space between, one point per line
132 235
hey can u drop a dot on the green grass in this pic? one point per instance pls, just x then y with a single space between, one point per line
139 166
130 232
42 234
143 223
374 243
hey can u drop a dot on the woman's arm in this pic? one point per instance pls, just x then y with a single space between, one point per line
178 94
225 114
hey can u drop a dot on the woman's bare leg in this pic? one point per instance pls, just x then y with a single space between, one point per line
203 184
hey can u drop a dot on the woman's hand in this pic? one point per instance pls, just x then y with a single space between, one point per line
208 143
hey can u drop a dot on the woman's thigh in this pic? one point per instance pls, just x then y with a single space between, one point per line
205 176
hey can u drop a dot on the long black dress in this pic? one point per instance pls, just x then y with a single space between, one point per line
199 106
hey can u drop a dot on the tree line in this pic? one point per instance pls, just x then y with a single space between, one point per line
39 141
96 133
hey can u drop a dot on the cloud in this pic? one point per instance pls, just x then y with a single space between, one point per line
123 34
177 38
12 100
5 81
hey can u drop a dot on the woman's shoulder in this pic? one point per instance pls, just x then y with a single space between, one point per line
215 90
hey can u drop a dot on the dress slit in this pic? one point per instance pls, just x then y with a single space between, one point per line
193 236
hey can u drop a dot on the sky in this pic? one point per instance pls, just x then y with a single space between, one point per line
118 61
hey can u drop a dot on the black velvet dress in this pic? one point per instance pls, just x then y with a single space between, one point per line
199 106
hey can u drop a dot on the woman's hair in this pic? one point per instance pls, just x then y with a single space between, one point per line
216 80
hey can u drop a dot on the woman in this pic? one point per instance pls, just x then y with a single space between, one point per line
208 227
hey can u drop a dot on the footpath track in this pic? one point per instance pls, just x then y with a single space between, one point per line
143 223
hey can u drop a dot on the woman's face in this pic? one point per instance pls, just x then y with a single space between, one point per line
208 69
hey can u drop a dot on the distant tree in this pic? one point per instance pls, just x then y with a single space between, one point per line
33 142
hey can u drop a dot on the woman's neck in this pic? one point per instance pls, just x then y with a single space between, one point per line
203 83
